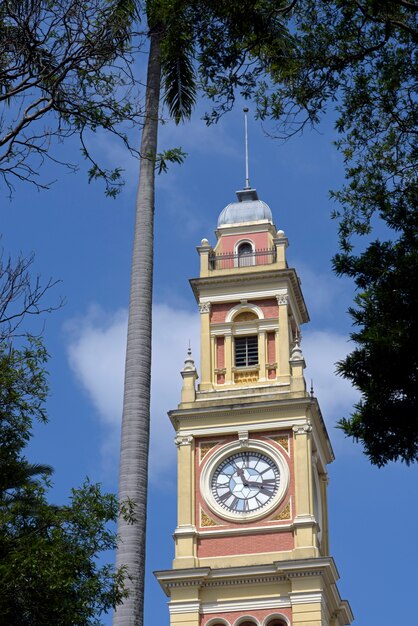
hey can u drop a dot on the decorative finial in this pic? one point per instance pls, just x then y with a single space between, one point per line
189 364
247 179
296 350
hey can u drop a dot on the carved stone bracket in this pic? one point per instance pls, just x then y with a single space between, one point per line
204 307
243 438
302 429
282 298
183 440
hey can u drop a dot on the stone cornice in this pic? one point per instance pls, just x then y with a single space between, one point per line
279 571
286 276
184 419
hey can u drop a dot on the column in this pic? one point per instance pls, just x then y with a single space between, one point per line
228 359
262 345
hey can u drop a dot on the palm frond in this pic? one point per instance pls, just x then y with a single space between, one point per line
179 80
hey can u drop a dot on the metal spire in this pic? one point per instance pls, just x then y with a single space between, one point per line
247 179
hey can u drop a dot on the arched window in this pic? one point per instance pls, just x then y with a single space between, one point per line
246 316
246 255
214 622
276 622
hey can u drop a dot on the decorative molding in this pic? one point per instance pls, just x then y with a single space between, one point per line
252 427
176 608
246 376
224 329
282 441
245 316
205 520
301 597
183 440
282 298
204 307
205 448
303 429
185 530
262 580
245 605
266 529
243 438
323 476
304 520
284 514
310 573
244 306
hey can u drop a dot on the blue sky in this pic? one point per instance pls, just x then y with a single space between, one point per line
85 239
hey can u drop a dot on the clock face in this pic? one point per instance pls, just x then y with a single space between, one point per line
245 482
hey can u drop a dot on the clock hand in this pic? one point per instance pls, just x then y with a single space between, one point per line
252 483
240 473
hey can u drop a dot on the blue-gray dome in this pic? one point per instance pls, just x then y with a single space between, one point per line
248 209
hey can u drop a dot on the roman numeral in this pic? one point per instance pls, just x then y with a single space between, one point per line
234 503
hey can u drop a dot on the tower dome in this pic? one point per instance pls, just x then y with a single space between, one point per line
248 208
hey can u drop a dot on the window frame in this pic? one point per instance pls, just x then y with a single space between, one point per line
247 357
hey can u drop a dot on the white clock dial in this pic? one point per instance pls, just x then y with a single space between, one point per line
245 482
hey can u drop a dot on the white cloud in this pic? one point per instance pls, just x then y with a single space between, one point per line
336 396
97 353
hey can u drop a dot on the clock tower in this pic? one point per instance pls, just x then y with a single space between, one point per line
251 543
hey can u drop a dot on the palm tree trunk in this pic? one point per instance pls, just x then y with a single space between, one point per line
133 477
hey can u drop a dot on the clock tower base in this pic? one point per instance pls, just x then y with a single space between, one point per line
298 592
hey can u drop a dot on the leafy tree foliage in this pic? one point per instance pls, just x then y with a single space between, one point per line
49 571
361 55
65 69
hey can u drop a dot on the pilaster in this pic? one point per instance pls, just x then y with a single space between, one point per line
284 344
305 523
228 359
205 347
185 533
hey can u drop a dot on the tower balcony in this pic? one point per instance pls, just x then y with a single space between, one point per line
228 261
245 256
